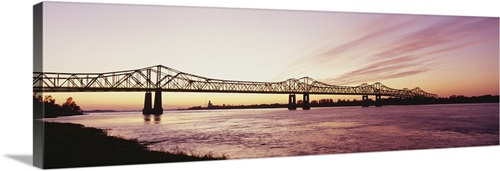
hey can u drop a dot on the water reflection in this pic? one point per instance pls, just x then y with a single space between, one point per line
252 133
156 118
147 118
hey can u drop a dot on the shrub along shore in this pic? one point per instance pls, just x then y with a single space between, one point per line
73 145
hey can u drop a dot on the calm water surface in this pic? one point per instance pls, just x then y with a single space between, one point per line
249 133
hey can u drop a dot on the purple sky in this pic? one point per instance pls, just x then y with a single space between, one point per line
445 55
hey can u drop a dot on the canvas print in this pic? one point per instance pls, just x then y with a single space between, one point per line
118 84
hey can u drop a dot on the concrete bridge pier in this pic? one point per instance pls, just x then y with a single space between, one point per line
292 104
157 109
305 102
147 104
378 101
364 101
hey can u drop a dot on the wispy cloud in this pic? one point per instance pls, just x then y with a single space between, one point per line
369 37
401 47
439 35
387 69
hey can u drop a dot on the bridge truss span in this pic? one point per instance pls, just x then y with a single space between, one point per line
161 78
170 80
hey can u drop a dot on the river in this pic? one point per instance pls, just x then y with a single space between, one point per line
251 133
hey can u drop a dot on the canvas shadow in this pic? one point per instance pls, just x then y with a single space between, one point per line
23 158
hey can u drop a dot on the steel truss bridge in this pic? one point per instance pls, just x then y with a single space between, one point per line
161 78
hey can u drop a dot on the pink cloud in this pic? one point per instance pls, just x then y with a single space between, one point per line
411 52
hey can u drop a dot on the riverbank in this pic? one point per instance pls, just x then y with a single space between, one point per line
73 145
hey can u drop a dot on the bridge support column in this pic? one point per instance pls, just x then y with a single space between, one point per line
292 104
147 104
305 102
157 110
378 101
364 101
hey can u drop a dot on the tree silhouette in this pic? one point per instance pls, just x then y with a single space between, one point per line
49 99
50 109
70 104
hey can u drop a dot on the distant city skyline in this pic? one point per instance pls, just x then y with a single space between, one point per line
445 55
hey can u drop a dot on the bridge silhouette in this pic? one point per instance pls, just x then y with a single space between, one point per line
161 78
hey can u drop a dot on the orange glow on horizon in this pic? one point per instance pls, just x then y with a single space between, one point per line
135 100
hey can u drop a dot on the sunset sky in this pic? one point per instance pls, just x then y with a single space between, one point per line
445 55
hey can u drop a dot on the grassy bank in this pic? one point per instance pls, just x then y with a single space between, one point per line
73 145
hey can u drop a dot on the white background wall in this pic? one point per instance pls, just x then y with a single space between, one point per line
15 82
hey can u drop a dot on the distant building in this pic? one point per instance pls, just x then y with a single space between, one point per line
209 104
